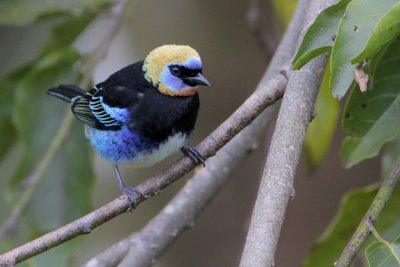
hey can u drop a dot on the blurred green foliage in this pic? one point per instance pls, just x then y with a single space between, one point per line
17 12
30 119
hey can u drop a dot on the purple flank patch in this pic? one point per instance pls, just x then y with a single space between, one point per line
118 146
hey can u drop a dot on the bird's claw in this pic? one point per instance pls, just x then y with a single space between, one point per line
133 195
194 155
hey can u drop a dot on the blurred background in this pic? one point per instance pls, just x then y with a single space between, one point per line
234 61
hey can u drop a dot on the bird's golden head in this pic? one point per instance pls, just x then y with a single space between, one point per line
175 70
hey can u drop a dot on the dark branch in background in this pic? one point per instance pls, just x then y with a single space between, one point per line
32 182
264 26
243 116
152 241
364 228
276 186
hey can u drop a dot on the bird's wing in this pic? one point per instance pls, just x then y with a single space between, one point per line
94 110
106 106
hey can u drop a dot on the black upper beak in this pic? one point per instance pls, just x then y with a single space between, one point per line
197 80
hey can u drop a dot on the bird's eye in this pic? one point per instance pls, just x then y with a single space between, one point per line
175 70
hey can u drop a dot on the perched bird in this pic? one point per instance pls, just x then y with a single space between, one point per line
144 112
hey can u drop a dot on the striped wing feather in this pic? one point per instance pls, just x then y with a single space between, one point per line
90 110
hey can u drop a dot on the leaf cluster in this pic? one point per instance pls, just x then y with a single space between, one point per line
363 39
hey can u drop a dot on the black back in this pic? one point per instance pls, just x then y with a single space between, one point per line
158 116
152 114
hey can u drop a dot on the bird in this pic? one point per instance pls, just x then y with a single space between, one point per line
143 112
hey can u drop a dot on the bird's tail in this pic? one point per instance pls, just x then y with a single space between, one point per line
66 92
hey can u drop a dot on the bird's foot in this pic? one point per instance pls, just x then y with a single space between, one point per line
194 155
133 194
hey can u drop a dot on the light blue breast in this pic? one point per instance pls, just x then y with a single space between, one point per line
118 146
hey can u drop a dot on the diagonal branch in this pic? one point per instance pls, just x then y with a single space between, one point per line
276 186
363 230
153 240
243 116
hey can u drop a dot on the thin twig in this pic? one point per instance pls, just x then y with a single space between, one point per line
363 230
378 237
276 187
32 182
243 116
153 240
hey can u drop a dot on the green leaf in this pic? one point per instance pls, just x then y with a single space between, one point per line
320 36
360 19
372 119
350 213
17 12
384 33
383 254
320 132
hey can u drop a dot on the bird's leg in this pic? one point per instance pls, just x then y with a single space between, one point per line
130 192
193 154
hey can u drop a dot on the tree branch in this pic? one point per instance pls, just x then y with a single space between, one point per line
364 228
276 186
242 117
152 241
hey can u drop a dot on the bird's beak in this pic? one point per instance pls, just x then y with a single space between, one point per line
197 80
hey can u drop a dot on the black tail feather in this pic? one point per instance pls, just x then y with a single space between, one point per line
66 92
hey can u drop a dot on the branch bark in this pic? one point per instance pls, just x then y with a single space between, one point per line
153 240
363 230
276 186
243 116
